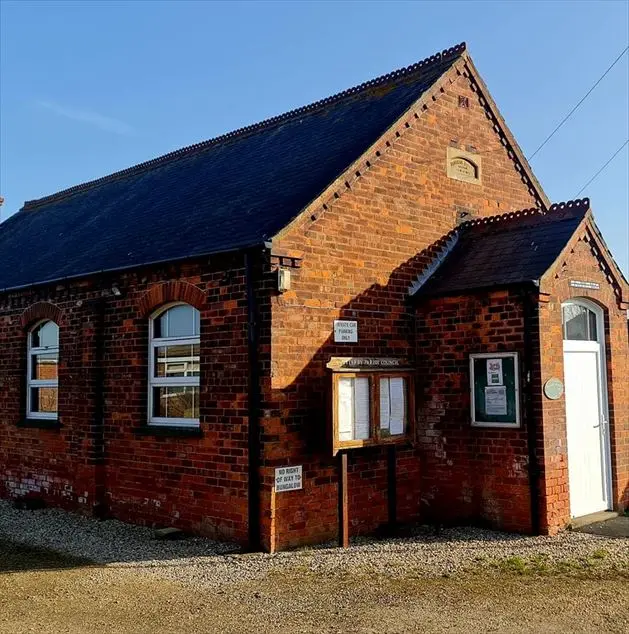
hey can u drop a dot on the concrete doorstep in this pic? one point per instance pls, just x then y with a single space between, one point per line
592 518
607 524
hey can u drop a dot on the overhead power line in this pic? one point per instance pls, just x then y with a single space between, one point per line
613 156
587 94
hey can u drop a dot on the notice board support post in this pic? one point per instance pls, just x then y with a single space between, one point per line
392 488
343 501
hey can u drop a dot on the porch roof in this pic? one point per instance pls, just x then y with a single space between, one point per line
500 251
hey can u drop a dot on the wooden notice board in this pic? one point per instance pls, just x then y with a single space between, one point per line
495 389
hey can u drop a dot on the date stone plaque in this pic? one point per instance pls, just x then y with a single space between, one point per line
463 166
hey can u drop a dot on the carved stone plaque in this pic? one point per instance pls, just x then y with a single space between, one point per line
463 166
463 169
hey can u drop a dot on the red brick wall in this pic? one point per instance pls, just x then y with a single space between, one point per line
56 464
469 473
194 483
361 248
582 264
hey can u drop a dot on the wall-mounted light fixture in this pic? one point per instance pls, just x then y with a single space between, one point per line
283 280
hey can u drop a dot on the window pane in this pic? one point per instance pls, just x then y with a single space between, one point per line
46 335
575 322
353 408
176 402
178 321
392 406
177 360
592 319
44 366
44 400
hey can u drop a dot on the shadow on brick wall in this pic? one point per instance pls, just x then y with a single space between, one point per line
298 412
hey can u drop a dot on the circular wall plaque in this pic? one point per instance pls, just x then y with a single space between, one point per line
553 388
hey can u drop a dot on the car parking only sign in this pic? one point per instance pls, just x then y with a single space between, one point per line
288 479
345 331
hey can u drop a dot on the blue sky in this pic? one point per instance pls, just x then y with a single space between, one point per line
87 88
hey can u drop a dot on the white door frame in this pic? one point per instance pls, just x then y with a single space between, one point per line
599 347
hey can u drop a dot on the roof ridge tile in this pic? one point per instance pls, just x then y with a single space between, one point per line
557 211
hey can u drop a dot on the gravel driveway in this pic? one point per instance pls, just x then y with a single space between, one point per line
463 579
205 563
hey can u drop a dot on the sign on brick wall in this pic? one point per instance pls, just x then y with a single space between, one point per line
594 286
367 363
345 331
288 479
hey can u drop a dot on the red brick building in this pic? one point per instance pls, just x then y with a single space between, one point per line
329 316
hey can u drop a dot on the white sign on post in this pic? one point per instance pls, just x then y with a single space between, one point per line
345 331
288 479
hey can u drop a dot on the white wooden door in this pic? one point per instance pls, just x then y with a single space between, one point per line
588 466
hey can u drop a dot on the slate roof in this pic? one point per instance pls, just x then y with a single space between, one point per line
500 251
231 192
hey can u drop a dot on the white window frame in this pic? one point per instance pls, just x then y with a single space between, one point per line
598 315
172 381
40 383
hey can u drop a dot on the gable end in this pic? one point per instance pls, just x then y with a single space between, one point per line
359 168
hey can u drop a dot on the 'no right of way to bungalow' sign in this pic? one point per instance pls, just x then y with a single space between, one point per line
288 479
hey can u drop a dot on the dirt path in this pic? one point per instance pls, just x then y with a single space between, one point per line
43 592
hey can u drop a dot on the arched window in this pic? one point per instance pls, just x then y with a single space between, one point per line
42 393
174 366
580 323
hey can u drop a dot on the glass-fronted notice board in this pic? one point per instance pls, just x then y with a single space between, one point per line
495 389
372 402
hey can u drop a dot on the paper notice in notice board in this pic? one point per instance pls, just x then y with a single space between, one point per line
385 407
496 400
345 408
398 406
361 408
494 372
